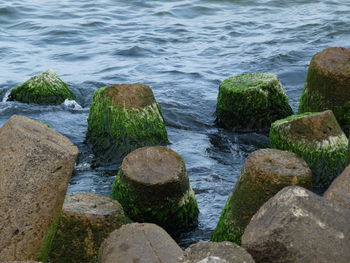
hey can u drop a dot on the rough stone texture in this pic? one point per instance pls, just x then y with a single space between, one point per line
139 243
265 172
206 252
30 261
297 225
45 88
152 186
86 220
339 190
36 164
327 85
123 118
318 139
251 102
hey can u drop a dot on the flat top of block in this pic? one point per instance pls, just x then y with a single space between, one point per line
278 163
153 165
249 80
90 204
334 60
130 96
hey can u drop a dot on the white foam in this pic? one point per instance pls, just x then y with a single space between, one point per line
72 104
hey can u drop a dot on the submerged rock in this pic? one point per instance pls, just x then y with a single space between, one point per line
141 243
251 102
86 220
215 252
339 190
45 88
152 186
318 139
123 118
265 172
36 164
299 226
327 85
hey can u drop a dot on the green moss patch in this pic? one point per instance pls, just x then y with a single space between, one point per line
114 131
45 88
251 102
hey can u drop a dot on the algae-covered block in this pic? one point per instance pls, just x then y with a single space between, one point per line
152 186
251 102
265 172
327 85
122 118
45 88
318 139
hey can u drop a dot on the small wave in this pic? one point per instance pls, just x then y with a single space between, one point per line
6 97
135 51
72 104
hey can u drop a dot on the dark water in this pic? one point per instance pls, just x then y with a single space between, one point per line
182 49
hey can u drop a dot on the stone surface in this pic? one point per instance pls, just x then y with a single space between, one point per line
339 190
327 85
210 252
141 243
36 164
264 173
297 225
86 220
152 186
29 261
318 139
45 88
123 118
251 102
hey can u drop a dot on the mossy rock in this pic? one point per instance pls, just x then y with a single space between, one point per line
251 102
327 85
265 172
86 220
152 185
123 118
318 139
46 88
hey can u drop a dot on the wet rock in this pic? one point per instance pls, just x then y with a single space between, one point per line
141 243
36 164
297 225
152 186
216 252
86 220
45 88
339 190
265 172
327 85
123 118
251 102
318 139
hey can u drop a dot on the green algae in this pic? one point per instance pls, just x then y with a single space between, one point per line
326 160
173 214
46 88
114 131
251 102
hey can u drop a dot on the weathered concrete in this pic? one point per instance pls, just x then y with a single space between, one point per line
36 164
299 226
141 243
206 252
86 220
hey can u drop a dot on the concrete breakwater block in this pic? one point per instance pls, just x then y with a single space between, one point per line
86 220
251 102
123 118
45 88
265 172
152 186
318 139
327 85
36 164
141 243
339 190
215 252
299 226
